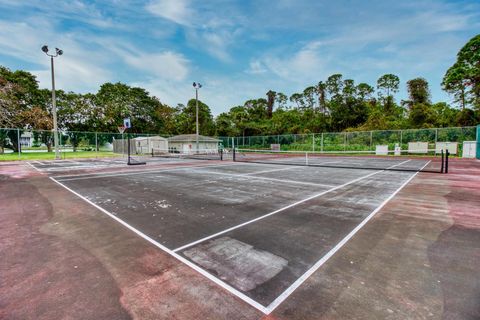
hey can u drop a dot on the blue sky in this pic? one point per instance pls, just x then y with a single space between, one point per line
238 50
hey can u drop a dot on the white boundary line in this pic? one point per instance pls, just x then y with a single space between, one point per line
275 212
115 174
275 303
282 209
112 173
81 166
266 171
206 274
31 165
251 176
253 303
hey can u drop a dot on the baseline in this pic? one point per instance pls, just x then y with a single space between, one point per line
203 272
275 303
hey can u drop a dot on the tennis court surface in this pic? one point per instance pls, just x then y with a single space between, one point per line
261 238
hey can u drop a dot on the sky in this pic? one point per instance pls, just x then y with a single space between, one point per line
238 50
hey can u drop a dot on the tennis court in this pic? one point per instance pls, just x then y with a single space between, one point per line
224 239
257 230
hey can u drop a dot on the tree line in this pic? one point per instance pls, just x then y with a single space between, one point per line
333 104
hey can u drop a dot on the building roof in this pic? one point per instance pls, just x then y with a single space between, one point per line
151 138
191 138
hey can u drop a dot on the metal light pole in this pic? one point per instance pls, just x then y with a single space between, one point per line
197 86
58 52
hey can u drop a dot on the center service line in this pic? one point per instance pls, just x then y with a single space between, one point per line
205 273
276 211
282 209
275 303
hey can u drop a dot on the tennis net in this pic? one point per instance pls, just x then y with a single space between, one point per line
202 154
428 161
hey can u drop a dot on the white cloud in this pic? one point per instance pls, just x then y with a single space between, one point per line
74 10
166 64
284 45
256 67
220 93
177 11
206 29
307 64
73 74
77 70
215 43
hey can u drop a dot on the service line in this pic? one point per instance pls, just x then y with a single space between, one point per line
203 272
282 209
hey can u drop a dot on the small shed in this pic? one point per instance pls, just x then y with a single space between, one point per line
140 145
145 145
469 149
187 143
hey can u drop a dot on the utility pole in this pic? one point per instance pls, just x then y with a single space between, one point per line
58 52
197 86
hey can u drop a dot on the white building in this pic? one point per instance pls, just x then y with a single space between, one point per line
144 145
140 145
26 139
187 143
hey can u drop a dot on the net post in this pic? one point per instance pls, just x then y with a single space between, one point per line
128 149
442 165
60 143
96 144
221 154
19 147
447 153
478 142
233 154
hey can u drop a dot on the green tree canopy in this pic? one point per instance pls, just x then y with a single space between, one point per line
463 78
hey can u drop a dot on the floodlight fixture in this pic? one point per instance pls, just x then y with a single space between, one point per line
58 52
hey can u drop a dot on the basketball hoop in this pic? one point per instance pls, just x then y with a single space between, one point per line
121 129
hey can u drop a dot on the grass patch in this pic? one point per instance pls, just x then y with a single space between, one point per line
51 155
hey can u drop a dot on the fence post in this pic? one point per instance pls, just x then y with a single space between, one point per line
345 142
96 144
321 143
19 146
371 140
313 142
60 146
478 141
401 139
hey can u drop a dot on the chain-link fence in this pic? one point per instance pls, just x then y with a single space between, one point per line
40 144
355 140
